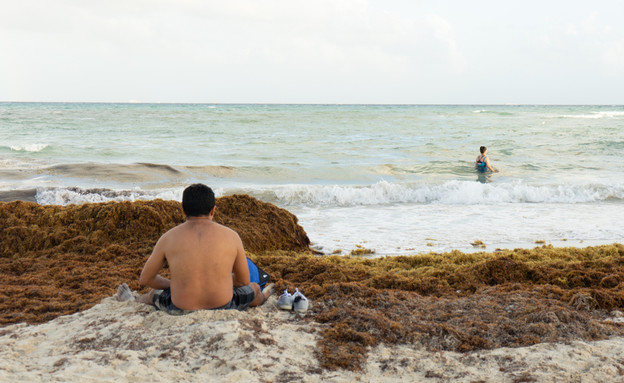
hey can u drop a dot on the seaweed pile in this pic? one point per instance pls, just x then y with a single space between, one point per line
58 260
456 301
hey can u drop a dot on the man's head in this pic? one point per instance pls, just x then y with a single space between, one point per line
482 149
198 200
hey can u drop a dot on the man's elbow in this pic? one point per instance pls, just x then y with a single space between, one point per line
143 280
240 282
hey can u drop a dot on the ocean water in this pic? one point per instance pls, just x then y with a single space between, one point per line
398 179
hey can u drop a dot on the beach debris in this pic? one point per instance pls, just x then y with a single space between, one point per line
361 251
478 243
583 302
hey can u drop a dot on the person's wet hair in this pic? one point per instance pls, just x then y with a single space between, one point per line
482 149
197 200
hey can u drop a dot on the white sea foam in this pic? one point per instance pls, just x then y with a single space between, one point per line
32 148
68 196
380 193
418 228
403 219
452 192
597 115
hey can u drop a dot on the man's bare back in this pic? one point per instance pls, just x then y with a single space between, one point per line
206 261
202 256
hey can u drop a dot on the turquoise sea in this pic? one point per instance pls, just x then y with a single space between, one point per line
398 179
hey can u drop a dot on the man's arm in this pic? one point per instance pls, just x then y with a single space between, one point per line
240 269
149 275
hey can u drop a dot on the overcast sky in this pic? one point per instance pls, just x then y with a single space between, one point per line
327 51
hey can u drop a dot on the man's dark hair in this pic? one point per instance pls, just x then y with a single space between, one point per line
482 149
197 200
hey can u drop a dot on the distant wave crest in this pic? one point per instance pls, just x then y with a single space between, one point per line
33 148
496 112
597 115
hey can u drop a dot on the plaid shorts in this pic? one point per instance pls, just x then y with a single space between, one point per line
241 300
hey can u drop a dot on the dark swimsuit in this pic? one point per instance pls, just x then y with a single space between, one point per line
482 165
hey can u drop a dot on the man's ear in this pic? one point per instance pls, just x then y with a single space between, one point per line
212 212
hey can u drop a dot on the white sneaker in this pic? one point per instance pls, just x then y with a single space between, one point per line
285 301
300 302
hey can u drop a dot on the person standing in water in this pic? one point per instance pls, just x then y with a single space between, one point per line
483 162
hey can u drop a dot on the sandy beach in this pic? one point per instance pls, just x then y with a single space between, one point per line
128 342
525 315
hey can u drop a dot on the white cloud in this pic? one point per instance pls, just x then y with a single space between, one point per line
613 57
295 50
443 31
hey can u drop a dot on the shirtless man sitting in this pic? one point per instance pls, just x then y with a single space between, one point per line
207 263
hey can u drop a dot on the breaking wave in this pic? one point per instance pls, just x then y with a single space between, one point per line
452 192
380 193
68 196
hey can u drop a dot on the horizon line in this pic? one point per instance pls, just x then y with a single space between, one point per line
305 103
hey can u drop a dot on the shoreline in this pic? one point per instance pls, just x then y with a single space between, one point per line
364 250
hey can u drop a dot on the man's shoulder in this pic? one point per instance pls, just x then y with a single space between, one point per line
183 227
226 229
174 232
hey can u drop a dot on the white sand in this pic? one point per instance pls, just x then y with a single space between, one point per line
130 342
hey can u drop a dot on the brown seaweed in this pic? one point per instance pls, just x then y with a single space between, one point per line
456 301
58 260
